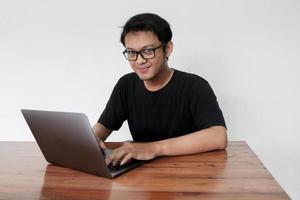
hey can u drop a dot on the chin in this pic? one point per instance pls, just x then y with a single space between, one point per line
145 77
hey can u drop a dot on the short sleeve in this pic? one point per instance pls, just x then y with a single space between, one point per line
204 106
115 113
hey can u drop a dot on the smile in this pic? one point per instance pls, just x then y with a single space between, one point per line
143 69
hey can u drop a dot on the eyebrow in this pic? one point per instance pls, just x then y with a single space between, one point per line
143 47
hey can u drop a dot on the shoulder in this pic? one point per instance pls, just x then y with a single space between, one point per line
128 79
194 85
190 79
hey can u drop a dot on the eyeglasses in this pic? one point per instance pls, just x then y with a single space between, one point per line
147 53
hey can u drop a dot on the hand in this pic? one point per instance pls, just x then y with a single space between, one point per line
102 145
138 151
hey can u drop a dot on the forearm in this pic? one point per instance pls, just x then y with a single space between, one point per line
101 131
213 138
209 139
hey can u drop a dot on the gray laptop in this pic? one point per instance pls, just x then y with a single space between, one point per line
67 139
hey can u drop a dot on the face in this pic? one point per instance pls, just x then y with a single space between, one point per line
147 69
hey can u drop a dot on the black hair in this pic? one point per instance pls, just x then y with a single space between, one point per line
148 22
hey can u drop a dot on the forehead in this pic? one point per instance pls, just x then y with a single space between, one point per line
140 39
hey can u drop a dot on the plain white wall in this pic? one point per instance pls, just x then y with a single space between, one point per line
66 55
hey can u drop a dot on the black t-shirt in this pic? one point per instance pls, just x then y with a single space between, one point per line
185 105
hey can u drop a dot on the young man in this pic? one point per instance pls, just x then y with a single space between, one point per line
169 112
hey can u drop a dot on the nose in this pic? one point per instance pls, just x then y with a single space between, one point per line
140 59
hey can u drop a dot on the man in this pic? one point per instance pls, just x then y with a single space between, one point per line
169 112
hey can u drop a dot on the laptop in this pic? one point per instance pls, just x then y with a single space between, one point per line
66 139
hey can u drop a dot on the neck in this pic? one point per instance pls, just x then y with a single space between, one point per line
160 81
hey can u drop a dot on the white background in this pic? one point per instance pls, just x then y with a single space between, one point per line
65 55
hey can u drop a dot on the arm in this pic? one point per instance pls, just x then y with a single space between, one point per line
101 132
213 138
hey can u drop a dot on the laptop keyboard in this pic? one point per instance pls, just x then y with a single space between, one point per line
119 167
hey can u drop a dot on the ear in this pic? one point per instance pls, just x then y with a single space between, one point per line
169 49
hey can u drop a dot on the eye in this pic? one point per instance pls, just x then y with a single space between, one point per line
147 51
130 53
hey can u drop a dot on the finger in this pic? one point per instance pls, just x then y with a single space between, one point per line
113 157
108 160
102 145
126 158
115 162
118 155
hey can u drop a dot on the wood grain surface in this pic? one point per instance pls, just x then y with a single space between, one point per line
234 173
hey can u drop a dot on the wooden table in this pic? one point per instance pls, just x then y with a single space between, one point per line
232 174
